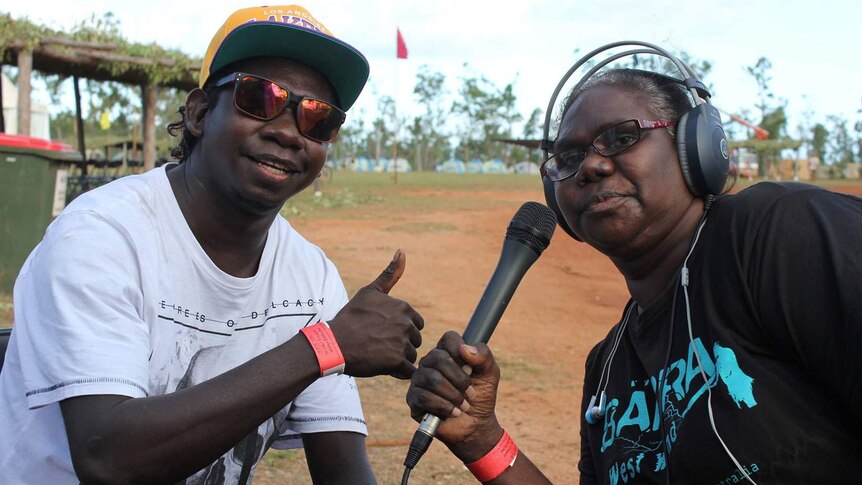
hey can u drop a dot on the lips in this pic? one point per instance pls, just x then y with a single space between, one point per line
276 163
603 200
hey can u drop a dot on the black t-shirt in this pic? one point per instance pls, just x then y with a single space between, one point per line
775 297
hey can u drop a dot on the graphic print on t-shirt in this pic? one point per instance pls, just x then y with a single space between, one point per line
215 343
197 319
631 425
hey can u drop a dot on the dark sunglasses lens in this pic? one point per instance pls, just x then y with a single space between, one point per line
618 138
319 120
259 97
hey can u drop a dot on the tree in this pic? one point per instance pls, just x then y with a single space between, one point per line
840 143
773 118
661 64
760 72
427 131
487 112
819 136
775 122
350 141
532 131
382 135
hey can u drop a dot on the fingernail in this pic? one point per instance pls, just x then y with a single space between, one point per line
471 350
470 392
397 253
456 412
465 406
467 370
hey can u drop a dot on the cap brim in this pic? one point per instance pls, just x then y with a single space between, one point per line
340 63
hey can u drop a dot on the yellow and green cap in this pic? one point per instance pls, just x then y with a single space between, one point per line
288 31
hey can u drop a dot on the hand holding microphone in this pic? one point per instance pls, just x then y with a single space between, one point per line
441 385
458 381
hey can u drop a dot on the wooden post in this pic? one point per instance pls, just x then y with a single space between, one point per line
79 130
25 70
79 119
150 94
2 118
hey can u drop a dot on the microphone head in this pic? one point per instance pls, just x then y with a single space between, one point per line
533 225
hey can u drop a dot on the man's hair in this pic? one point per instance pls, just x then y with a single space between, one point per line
183 149
663 95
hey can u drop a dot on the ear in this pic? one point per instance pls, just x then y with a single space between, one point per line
196 108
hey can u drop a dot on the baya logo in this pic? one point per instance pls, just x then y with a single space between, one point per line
678 395
628 419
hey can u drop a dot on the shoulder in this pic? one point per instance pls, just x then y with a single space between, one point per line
765 196
124 200
111 221
296 251
292 240
784 202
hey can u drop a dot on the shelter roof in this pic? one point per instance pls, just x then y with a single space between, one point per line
105 59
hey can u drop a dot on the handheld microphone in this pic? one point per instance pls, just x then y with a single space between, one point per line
528 234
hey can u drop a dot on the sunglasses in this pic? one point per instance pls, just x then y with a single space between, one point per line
264 99
612 141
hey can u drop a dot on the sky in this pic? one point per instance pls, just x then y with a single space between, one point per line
811 44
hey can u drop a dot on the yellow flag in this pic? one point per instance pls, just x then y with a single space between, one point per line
105 120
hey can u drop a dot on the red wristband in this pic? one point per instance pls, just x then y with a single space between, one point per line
325 347
496 461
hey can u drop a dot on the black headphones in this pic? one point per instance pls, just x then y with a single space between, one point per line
701 142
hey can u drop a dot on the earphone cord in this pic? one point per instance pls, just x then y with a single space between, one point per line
684 277
610 360
664 371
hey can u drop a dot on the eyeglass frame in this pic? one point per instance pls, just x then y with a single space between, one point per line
293 102
641 124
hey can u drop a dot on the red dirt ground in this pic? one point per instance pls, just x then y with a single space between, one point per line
566 303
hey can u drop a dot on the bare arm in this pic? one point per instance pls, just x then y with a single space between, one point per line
338 458
115 439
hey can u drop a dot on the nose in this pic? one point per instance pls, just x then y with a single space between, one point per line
594 168
284 129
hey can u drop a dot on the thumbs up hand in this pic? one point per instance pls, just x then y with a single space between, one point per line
378 334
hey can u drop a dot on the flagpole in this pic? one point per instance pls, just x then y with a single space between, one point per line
397 122
400 53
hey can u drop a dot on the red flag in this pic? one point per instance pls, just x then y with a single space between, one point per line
402 47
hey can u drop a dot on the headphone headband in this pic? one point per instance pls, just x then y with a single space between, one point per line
697 89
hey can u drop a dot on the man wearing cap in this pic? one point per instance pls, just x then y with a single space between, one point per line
172 326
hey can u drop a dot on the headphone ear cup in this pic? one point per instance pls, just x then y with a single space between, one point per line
682 154
551 200
702 150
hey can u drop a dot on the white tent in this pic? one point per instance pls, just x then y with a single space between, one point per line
393 165
362 164
451 166
494 166
475 166
525 167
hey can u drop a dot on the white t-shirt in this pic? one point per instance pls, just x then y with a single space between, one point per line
120 298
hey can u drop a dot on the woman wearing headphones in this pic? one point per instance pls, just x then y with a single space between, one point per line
737 357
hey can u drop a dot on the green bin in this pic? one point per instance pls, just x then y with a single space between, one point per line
33 175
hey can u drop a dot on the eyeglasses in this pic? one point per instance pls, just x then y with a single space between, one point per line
264 99
612 141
